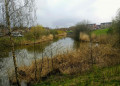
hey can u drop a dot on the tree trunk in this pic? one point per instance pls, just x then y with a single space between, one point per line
11 40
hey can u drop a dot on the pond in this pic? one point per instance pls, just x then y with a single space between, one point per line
26 54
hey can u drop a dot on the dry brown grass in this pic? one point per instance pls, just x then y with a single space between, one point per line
103 39
72 62
84 37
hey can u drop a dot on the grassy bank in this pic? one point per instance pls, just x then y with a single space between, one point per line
108 76
101 31
24 41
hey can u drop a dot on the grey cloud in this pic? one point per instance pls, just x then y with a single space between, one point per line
64 14
65 22
61 13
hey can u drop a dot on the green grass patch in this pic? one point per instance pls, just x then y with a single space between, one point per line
69 31
109 76
101 31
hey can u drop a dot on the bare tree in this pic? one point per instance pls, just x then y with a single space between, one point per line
16 13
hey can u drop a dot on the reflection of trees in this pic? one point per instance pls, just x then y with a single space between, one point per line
79 45
76 44
4 50
38 47
4 54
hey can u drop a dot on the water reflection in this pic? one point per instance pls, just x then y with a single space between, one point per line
76 44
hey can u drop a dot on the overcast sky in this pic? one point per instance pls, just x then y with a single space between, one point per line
64 13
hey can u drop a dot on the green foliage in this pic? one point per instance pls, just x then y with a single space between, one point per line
116 28
53 31
5 46
60 31
117 23
4 41
109 76
36 33
29 36
69 31
110 30
56 32
18 40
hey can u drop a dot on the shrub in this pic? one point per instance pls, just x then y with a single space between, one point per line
81 27
53 31
29 36
116 29
36 32
60 31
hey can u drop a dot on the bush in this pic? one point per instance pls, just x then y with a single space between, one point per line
29 36
116 29
81 27
53 31
60 31
36 33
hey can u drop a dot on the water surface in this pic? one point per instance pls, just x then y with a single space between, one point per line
26 54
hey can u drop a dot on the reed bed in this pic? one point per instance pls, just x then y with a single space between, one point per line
71 62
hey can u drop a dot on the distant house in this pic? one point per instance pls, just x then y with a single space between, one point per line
98 27
105 25
17 34
92 26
